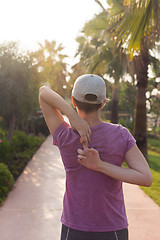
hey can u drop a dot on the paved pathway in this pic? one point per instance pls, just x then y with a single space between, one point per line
33 208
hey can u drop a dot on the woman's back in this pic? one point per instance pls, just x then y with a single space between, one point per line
93 201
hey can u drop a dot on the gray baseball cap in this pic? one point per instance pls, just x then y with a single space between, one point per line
89 84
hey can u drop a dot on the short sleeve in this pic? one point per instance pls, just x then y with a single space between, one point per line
128 139
60 134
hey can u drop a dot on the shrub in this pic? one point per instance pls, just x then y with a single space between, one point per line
6 181
127 123
40 127
20 141
5 149
19 151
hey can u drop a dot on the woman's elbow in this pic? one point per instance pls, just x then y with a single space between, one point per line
148 180
42 91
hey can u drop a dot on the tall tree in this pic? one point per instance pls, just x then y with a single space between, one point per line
101 56
18 95
136 28
49 63
153 93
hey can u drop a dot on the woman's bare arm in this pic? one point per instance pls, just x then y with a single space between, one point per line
138 171
52 105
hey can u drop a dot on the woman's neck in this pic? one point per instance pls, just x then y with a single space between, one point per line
92 118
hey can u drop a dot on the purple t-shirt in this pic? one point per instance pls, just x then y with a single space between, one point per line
93 201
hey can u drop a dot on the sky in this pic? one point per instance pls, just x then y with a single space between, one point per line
33 21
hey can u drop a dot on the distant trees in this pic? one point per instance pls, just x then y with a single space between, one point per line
127 98
49 63
153 100
136 27
117 41
21 74
99 55
18 94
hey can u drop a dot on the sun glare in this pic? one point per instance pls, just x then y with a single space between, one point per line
33 21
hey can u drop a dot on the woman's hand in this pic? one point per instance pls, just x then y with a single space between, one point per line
52 105
138 171
89 158
82 128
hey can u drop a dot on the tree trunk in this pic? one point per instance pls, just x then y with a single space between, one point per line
115 99
140 127
11 127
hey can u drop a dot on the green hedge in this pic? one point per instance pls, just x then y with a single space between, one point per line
19 151
14 156
6 181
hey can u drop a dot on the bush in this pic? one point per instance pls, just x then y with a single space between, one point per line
127 123
20 141
40 127
19 151
6 181
5 149
14 156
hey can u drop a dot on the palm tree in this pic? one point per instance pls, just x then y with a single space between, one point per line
137 24
136 28
101 56
77 70
49 62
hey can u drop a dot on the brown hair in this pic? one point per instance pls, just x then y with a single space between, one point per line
88 107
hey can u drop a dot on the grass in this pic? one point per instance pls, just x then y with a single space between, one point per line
154 163
154 144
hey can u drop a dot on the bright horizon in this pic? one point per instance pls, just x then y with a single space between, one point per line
33 21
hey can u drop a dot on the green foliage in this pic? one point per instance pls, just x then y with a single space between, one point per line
16 153
127 98
6 181
14 156
39 126
142 21
153 92
6 149
96 25
20 141
127 123
19 93
49 64
99 55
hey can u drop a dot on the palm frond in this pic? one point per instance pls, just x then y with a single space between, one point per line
100 4
139 20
